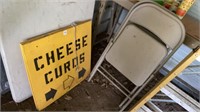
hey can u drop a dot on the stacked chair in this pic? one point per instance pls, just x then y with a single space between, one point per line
147 38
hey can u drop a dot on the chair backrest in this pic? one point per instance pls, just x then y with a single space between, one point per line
158 20
143 41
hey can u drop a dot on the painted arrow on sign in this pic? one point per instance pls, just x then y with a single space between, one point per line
68 82
50 95
81 73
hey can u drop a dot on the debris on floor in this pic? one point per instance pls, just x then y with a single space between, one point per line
97 95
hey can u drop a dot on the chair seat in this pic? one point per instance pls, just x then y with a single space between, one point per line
136 54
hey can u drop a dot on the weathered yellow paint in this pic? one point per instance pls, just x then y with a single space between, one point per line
177 70
47 56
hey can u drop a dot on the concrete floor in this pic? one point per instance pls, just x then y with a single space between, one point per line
96 96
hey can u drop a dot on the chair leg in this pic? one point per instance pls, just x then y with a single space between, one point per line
138 91
115 79
121 104
100 61
113 83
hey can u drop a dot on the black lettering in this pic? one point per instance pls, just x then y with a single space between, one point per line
84 41
74 62
46 77
82 58
60 71
67 66
59 53
69 49
49 58
36 63
78 45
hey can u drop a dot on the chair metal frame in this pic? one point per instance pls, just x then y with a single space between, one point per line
130 95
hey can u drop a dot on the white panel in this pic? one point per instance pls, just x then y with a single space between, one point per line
22 19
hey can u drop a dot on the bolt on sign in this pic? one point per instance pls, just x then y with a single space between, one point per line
57 61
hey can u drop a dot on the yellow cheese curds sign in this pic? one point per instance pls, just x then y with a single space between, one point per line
57 61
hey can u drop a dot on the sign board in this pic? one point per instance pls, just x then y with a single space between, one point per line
56 62
22 19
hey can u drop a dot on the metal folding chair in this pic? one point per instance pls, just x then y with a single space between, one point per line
146 39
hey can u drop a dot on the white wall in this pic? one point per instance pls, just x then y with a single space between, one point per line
22 19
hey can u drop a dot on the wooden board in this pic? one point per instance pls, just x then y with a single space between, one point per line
57 62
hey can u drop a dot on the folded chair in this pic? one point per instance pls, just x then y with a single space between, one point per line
146 39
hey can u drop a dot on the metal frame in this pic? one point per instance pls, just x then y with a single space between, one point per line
163 100
189 68
127 4
131 95
127 101
99 18
177 70
114 20
115 13
180 97
153 107
190 89
144 109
